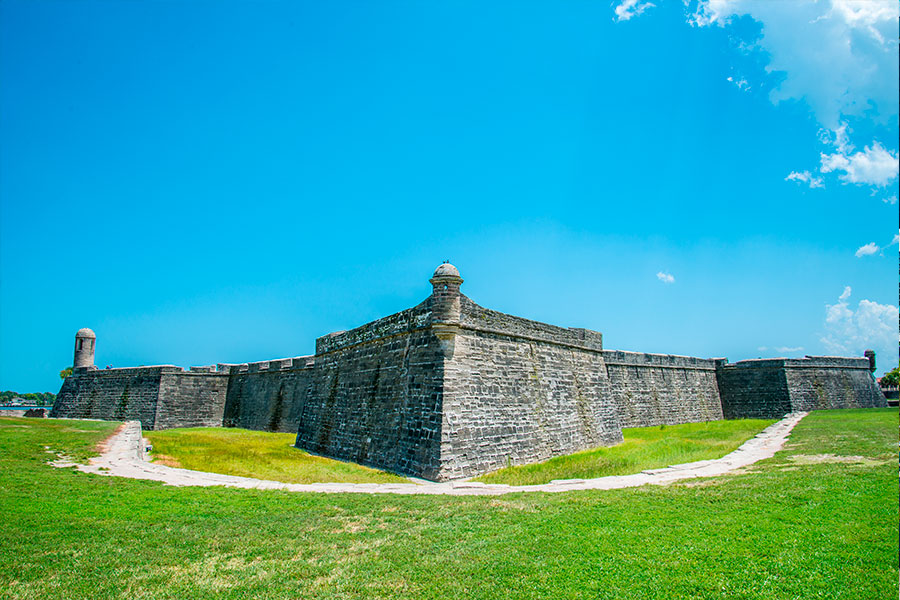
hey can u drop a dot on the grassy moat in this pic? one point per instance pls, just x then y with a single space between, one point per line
265 455
258 454
643 448
819 520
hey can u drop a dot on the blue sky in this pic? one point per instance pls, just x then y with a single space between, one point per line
206 182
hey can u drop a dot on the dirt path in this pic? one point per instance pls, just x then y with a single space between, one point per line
124 456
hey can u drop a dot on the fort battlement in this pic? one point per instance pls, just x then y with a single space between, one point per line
450 389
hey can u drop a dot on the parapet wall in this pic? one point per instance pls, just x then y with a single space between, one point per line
403 322
477 318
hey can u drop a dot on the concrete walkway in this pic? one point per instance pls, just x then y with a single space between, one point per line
124 456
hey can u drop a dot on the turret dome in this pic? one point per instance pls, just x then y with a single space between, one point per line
446 270
85 333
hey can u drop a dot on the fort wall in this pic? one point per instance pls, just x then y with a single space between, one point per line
115 394
190 399
771 388
511 400
378 395
662 389
450 389
269 395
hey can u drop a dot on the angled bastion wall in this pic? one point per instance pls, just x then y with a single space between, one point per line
378 394
517 391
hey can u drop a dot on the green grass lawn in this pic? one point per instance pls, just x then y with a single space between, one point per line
643 448
259 454
819 520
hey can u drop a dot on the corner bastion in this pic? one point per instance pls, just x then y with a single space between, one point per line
449 389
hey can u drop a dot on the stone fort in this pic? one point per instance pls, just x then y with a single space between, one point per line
449 389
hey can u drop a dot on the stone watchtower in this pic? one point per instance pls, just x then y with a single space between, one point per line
445 305
85 341
870 354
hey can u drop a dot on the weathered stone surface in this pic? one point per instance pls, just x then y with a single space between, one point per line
511 400
269 399
190 399
378 395
661 389
116 394
159 397
771 388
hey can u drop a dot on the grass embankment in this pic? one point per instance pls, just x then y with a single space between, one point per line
643 448
258 454
819 520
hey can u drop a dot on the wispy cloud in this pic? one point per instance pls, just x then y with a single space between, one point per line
631 8
741 83
805 177
789 349
665 277
890 200
782 349
870 248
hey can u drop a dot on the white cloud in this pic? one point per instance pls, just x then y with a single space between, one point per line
838 56
873 166
871 325
839 137
789 349
741 83
890 200
805 177
631 8
896 240
866 14
665 277
782 349
870 248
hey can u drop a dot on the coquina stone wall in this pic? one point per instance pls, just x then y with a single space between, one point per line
511 400
528 402
270 395
451 389
194 398
159 397
114 394
661 389
378 395
771 388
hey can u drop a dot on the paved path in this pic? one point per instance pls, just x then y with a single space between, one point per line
124 457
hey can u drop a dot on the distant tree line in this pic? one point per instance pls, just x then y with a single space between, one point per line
891 378
31 398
